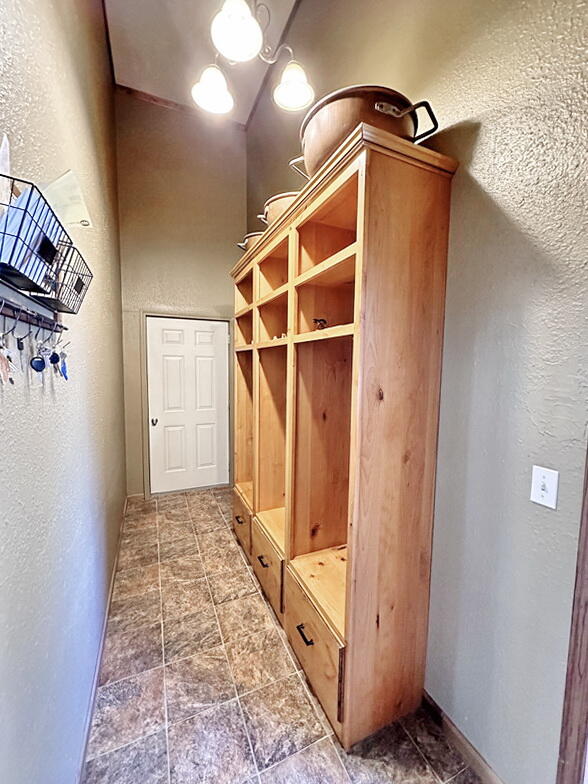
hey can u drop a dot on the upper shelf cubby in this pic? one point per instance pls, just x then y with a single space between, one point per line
244 292
273 270
331 228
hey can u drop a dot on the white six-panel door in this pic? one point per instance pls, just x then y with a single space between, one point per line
188 393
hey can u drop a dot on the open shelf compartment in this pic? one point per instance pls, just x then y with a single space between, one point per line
331 228
273 318
244 292
322 443
244 424
327 298
272 443
273 270
244 329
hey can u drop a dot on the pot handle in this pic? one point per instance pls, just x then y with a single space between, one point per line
293 164
241 245
387 108
262 218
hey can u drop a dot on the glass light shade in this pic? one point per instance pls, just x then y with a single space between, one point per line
293 91
236 33
211 93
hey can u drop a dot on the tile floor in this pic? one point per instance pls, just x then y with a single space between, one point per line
198 684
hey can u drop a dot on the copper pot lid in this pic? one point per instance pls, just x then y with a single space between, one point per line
352 91
280 196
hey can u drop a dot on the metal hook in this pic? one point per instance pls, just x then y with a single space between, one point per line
50 335
16 320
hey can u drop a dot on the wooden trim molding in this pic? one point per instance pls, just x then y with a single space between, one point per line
574 730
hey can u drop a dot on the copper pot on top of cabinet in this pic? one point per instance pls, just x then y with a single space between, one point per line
276 206
336 115
249 240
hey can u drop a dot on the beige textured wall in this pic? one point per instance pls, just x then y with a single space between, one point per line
62 450
509 87
181 179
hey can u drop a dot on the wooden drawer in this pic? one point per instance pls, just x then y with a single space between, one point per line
268 566
242 523
319 651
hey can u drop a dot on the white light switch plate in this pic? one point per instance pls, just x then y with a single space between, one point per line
544 486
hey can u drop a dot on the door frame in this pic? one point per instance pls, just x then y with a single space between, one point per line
145 314
573 750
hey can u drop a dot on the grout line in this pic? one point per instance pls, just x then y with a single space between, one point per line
231 673
459 772
421 753
124 745
165 714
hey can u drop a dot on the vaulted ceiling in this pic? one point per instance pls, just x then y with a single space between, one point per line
160 47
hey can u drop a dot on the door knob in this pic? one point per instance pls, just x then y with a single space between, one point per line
154 422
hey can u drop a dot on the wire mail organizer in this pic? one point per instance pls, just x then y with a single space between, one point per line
37 254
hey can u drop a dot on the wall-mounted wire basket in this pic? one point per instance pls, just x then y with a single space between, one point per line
72 278
37 255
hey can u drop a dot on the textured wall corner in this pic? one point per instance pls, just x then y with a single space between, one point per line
61 447
508 83
181 179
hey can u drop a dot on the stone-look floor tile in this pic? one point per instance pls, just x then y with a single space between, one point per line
174 514
170 531
467 776
143 761
204 524
171 501
127 710
141 522
317 764
226 586
258 659
179 548
243 617
211 748
190 634
181 569
137 536
223 556
132 555
200 499
136 504
134 611
220 537
130 652
197 683
317 706
280 721
131 582
389 755
429 737
185 598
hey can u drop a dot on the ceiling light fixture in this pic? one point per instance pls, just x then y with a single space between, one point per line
238 36
293 92
236 33
212 92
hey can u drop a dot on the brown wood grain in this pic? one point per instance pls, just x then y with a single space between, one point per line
574 734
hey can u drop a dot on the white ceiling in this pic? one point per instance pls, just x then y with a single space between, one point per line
161 46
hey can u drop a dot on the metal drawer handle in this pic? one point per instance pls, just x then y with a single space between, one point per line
300 630
262 562
239 519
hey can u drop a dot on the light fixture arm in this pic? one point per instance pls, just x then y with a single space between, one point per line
269 58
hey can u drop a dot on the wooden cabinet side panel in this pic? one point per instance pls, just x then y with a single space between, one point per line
402 310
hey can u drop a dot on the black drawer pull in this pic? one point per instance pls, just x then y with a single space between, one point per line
262 562
300 630
239 519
